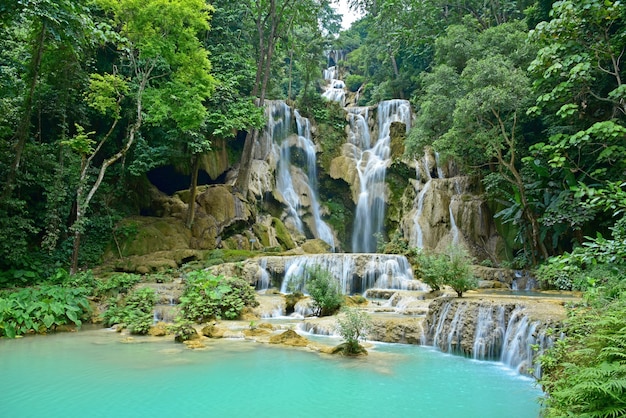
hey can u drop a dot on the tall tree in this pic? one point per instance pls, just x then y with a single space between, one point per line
168 78
53 24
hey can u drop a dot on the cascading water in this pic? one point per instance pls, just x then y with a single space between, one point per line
322 230
280 127
486 331
355 272
371 167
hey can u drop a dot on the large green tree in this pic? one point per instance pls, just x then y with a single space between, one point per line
166 73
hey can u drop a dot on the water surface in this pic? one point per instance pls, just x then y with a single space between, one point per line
93 374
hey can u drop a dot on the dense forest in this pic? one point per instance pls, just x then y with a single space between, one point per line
526 95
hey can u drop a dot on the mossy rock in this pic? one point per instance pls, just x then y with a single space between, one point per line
158 330
347 350
213 331
290 338
397 135
315 246
155 262
262 232
282 234
151 235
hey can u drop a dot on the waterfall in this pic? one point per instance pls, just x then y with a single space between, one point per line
371 167
335 91
489 336
487 331
322 230
355 273
419 234
280 128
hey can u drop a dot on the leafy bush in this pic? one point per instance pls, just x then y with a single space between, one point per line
119 283
353 326
41 309
459 274
183 330
208 297
450 269
135 312
324 290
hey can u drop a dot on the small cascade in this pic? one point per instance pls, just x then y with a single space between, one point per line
371 167
490 328
419 233
487 331
336 91
523 342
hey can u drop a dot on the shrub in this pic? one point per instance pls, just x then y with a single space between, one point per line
41 309
324 290
214 297
584 374
353 326
458 273
183 330
119 283
452 269
135 312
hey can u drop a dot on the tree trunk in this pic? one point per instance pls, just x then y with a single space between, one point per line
193 191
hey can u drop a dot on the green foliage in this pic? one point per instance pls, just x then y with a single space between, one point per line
354 81
353 325
134 312
183 330
117 284
596 266
323 288
215 297
452 268
41 309
585 373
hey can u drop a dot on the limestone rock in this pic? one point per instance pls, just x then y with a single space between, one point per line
158 330
290 338
315 246
214 331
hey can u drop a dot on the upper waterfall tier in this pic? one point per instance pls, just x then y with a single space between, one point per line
296 184
372 160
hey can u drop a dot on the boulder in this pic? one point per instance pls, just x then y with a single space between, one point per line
214 331
290 338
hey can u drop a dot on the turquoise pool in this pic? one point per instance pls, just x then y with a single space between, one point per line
93 374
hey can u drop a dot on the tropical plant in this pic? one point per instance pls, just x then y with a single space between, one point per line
585 373
42 309
135 312
183 330
322 287
116 284
214 297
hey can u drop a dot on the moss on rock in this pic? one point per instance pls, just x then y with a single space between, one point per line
282 234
